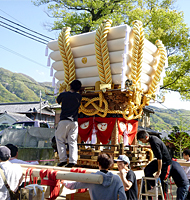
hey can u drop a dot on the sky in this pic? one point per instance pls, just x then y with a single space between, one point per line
28 56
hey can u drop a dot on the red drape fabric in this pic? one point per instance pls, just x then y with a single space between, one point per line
30 170
85 128
104 127
79 170
51 181
130 126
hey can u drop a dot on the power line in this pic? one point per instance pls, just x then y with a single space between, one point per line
22 34
12 17
11 51
23 31
26 28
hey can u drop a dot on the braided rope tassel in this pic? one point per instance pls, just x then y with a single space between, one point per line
160 67
105 52
135 51
61 41
99 55
67 57
140 54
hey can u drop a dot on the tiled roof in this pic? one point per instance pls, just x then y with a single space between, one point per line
148 109
26 107
17 117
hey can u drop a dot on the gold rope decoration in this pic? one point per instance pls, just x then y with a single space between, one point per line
61 42
140 53
102 54
67 58
131 111
155 81
135 51
105 52
99 55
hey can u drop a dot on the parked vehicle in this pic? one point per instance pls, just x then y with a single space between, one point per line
23 124
3 126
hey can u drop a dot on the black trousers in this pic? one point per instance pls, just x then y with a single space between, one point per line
151 168
188 196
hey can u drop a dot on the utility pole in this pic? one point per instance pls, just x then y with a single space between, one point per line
40 105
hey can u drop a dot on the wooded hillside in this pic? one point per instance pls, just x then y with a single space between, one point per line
165 119
17 87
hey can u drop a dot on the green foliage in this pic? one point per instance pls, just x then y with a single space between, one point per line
84 16
15 87
160 21
178 141
6 96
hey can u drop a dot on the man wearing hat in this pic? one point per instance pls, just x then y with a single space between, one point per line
12 172
127 176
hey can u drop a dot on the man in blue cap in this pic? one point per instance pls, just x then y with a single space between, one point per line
127 176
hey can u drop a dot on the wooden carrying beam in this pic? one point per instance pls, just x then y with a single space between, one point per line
183 162
139 173
71 176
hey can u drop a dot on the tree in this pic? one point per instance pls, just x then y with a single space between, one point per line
160 21
178 140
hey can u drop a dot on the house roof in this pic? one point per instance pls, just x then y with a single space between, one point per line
148 109
56 105
27 107
16 116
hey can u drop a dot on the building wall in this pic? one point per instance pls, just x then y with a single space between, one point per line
29 154
144 121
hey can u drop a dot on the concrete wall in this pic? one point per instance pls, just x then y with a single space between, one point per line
29 154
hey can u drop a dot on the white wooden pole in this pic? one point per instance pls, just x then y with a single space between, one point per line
138 173
72 176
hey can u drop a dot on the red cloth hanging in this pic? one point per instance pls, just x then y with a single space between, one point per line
85 128
51 181
104 127
131 126
30 170
79 170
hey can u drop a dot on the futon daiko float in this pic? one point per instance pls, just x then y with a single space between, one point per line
119 68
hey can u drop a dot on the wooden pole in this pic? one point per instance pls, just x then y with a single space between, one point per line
63 169
121 150
138 173
72 176
114 136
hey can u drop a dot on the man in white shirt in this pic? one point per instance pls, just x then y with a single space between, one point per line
14 155
13 173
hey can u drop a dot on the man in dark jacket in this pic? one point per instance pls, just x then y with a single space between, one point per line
162 164
67 129
180 178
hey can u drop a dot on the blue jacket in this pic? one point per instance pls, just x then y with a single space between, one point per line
111 187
